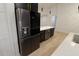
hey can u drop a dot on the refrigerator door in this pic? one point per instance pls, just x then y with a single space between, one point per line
23 20
35 22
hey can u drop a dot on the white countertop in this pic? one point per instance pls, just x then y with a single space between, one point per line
45 27
67 47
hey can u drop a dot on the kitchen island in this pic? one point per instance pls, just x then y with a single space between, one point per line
67 47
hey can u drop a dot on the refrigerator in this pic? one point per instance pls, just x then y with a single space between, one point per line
28 30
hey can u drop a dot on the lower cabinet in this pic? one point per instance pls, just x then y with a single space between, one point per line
46 34
30 44
42 36
51 32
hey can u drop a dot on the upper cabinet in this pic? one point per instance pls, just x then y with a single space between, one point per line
47 10
42 9
28 6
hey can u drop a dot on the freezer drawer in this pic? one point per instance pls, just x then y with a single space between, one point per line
30 44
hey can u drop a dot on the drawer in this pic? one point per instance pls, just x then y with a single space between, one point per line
30 44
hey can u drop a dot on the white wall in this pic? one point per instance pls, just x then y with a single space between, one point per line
8 36
10 12
67 17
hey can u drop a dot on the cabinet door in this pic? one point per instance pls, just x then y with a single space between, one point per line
51 32
42 36
22 5
34 7
47 34
27 6
30 44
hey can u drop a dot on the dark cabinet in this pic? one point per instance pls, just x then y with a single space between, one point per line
22 6
34 7
27 6
47 34
51 32
42 36
30 44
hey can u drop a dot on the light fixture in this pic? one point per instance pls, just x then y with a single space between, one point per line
50 12
78 9
42 9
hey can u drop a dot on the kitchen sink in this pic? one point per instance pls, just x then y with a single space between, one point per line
76 38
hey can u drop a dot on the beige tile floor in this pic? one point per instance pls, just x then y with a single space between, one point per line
49 46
